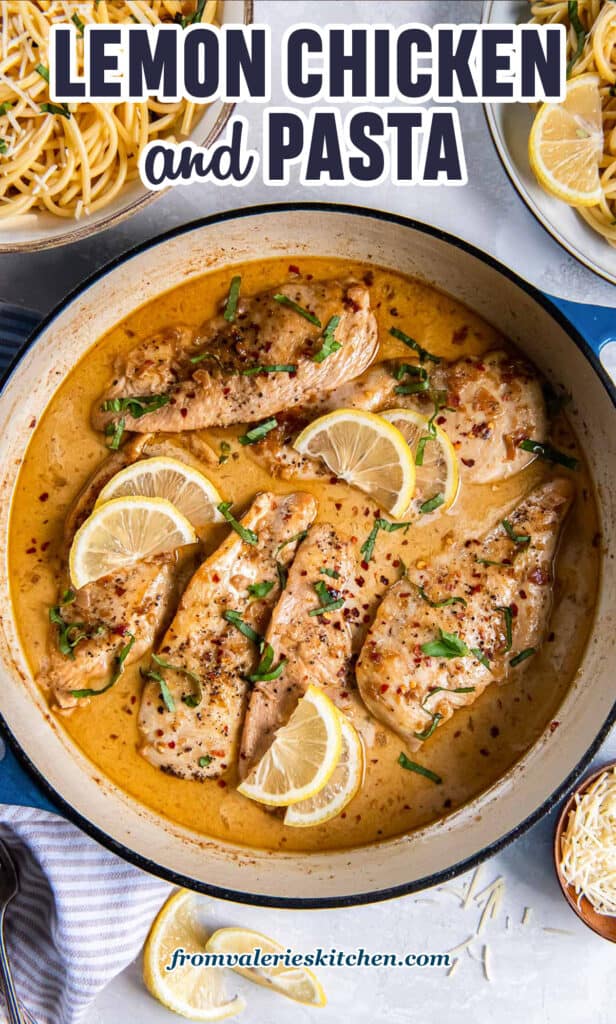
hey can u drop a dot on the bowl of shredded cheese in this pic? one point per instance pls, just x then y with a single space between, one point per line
585 851
70 170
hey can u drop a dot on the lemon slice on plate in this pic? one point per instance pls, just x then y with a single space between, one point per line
437 476
566 144
340 789
302 757
297 983
367 452
163 477
124 531
194 992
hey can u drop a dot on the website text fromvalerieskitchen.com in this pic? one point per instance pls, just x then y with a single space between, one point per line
317 958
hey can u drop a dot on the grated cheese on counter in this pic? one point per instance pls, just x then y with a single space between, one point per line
588 845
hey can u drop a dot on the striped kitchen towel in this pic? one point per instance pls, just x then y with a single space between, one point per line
80 918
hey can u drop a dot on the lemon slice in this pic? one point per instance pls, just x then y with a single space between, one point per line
195 992
124 531
297 983
367 452
303 756
340 789
438 475
566 144
163 477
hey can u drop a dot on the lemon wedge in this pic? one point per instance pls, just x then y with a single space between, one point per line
296 983
341 788
302 757
125 531
437 477
367 452
163 477
566 144
194 992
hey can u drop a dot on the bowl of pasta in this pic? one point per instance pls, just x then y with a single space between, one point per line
561 158
71 170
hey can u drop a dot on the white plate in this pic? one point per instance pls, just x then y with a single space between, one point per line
41 230
510 125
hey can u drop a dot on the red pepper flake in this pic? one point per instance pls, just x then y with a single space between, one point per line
133 699
338 505
30 551
44 496
222 783
293 269
384 688
32 423
522 594
469 463
159 732
440 420
226 391
183 413
514 609
554 726
459 335
215 577
364 565
171 744
333 479
45 545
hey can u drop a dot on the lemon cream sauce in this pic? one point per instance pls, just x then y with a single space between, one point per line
473 749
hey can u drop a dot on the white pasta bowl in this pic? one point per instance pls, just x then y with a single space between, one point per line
443 848
39 229
510 125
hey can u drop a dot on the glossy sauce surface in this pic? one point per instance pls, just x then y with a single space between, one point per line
471 751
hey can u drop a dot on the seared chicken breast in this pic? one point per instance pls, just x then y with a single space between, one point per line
488 405
312 643
267 359
442 635
193 705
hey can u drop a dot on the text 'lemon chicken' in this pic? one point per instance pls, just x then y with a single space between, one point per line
473 615
264 356
193 703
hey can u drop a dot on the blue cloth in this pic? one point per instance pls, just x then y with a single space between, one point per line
596 323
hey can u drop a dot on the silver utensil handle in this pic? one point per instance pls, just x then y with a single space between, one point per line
6 980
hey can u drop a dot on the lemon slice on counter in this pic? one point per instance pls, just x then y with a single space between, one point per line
302 757
341 788
163 477
125 531
194 992
437 477
566 144
297 983
367 452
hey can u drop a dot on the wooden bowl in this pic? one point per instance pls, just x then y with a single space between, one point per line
600 923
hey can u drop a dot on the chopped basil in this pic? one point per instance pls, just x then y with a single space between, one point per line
488 561
235 618
508 617
3 146
184 22
427 732
328 598
410 370
63 111
210 356
549 454
4 107
257 590
522 656
580 35
249 536
431 504
115 431
367 548
445 689
412 389
331 573
259 432
71 633
266 670
284 300
197 697
330 345
232 299
42 71
205 761
272 368
479 654
118 661
225 451
440 604
412 766
166 694
448 645
431 427
136 405
296 537
282 575
411 343
517 538
78 23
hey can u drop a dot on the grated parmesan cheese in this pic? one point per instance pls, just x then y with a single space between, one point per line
588 845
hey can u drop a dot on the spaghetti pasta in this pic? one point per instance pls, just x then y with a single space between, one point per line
74 159
591 47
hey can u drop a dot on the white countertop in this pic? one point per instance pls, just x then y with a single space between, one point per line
538 977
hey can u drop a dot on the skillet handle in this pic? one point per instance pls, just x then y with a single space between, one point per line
597 324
